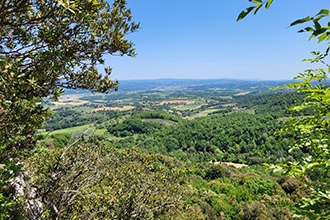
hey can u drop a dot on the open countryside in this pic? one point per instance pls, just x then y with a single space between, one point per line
215 118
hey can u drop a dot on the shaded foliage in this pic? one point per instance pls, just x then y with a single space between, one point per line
87 180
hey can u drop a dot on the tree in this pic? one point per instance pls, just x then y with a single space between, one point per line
45 47
313 138
49 45
310 131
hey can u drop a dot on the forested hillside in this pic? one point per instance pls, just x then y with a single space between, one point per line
166 164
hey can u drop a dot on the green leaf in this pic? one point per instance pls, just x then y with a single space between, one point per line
317 24
322 37
269 2
323 12
244 13
257 8
300 21
310 29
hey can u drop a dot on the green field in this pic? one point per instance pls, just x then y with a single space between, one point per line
71 129
202 113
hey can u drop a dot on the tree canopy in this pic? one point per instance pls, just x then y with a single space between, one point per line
310 131
49 45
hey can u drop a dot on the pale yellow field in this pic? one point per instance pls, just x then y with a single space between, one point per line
229 105
177 101
124 108
241 93
72 100
236 165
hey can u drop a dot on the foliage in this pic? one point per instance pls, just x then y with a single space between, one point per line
274 104
132 126
46 46
9 205
312 137
242 193
310 131
236 137
100 181
92 181
255 8
49 45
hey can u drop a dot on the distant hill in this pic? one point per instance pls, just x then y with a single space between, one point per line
194 84
131 85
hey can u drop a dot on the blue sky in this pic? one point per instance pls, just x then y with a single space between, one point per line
201 40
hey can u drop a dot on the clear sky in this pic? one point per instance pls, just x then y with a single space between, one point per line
201 39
